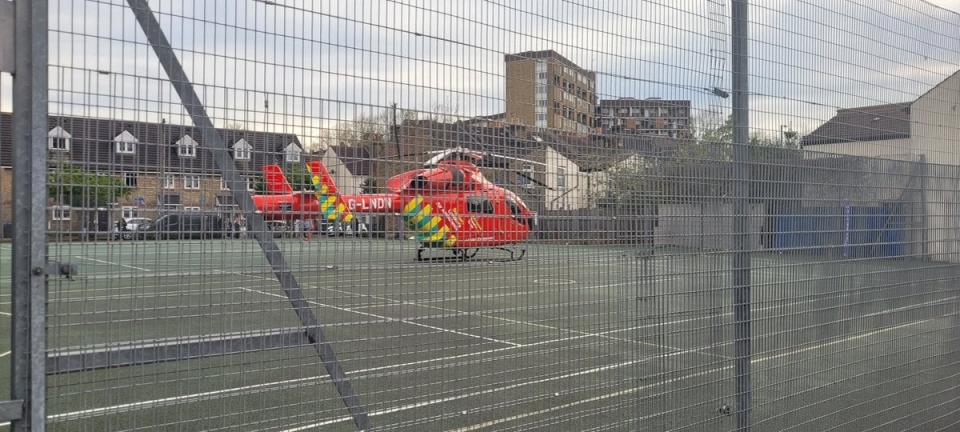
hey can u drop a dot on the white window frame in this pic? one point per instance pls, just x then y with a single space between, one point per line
291 150
251 184
58 133
128 212
191 209
169 182
223 184
242 150
125 143
186 146
60 213
131 174
561 178
189 184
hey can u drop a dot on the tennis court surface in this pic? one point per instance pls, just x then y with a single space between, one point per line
571 337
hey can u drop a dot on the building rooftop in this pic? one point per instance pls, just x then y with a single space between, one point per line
93 145
548 54
869 123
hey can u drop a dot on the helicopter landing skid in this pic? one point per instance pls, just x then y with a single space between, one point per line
458 255
515 254
468 254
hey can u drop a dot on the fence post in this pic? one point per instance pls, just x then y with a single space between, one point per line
741 256
28 294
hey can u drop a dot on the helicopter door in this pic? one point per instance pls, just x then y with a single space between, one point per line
479 208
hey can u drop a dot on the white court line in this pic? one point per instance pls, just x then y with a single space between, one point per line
6 313
5 354
110 263
480 314
872 314
389 319
589 400
200 396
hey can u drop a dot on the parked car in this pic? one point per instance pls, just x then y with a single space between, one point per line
184 226
129 228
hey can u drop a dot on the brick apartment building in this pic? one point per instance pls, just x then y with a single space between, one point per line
652 116
162 166
545 90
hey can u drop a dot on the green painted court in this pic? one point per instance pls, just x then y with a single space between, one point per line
569 337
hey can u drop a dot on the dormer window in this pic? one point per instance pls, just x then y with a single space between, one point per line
186 147
126 143
242 150
292 153
58 139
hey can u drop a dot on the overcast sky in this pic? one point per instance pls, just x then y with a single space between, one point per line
304 66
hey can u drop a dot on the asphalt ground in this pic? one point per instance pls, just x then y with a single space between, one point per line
571 337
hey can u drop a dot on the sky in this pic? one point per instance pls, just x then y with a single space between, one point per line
310 66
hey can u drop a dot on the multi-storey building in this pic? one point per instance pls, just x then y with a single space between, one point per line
546 90
162 166
652 116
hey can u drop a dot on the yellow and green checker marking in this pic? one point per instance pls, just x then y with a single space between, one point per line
430 228
332 208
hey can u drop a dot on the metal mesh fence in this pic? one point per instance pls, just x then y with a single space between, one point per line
492 215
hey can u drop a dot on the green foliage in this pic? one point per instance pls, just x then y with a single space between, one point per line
258 184
299 176
77 187
296 173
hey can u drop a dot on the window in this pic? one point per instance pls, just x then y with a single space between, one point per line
242 150
226 201
251 184
169 182
223 184
192 209
292 153
126 143
58 139
129 212
514 207
171 200
130 179
186 146
191 182
561 178
479 204
61 213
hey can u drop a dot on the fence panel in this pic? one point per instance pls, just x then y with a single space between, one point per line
429 215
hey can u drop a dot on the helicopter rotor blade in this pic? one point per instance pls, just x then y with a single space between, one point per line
516 159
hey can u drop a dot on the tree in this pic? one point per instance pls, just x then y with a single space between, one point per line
297 175
78 187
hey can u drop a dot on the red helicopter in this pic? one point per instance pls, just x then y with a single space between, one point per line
448 203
